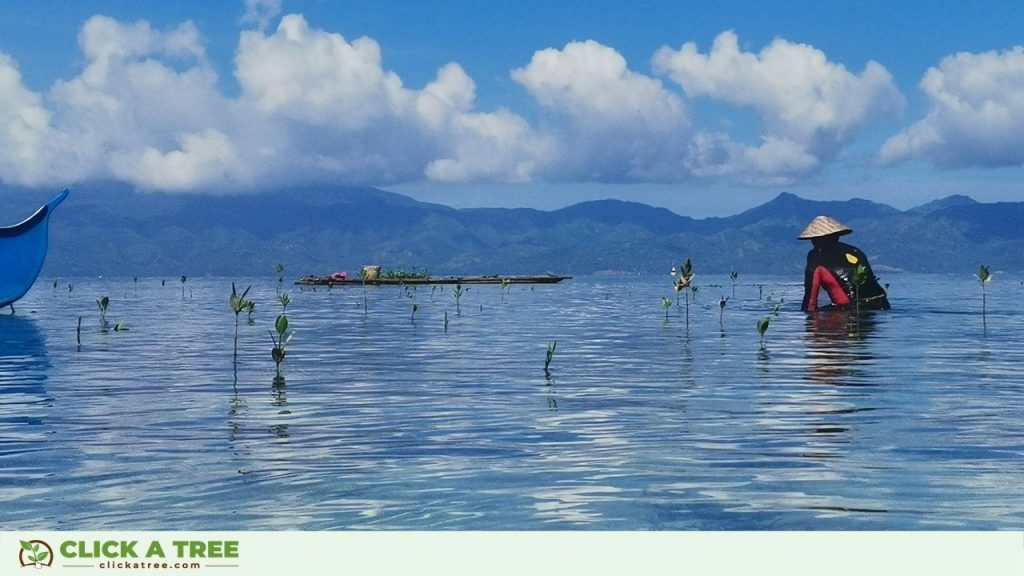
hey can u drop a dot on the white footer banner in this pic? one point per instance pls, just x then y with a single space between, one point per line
520 553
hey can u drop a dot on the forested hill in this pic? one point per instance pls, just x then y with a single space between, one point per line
113 231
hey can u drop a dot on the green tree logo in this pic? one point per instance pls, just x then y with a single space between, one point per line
35 553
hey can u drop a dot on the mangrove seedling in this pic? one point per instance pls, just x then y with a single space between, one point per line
78 333
250 309
506 286
984 276
547 357
458 292
412 317
860 276
404 274
280 340
238 304
279 268
120 326
283 337
667 303
445 321
673 273
762 327
103 303
721 311
733 276
684 284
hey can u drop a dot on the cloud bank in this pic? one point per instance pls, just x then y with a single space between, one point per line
810 108
314 106
976 115
610 123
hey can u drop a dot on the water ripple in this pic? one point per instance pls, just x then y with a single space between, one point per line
444 418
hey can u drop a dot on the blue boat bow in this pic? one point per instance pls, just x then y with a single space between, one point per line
23 250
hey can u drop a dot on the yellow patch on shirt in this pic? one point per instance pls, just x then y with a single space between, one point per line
851 258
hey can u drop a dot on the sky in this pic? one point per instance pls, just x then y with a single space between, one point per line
706 108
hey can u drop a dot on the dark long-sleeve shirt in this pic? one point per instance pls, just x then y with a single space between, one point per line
839 261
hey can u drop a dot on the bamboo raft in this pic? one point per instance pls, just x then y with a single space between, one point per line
328 281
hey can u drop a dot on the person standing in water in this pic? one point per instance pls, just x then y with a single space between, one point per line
831 265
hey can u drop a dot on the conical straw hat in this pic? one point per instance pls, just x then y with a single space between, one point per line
823 226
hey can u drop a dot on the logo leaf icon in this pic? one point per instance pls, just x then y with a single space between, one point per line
34 553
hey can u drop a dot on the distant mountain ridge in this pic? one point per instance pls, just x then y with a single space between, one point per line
108 229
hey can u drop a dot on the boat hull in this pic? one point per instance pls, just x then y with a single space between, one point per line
23 251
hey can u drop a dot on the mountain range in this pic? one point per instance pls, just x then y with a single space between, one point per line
111 230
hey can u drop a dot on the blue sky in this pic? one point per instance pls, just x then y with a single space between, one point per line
706 108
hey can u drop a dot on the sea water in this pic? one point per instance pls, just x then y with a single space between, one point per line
406 408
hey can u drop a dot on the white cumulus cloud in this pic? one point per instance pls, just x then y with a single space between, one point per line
261 12
140 89
809 107
976 115
318 77
616 124
346 115
24 130
492 147
147 108
200 159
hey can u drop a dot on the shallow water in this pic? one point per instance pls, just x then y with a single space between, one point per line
388 421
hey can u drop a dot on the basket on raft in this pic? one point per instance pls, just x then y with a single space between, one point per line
371 272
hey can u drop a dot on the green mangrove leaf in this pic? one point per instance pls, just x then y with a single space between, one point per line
860 275
984 275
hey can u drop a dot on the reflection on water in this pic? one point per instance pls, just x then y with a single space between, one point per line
838 346
908 420
279 400
23 358
29 451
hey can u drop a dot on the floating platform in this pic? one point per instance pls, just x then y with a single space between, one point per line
328 281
